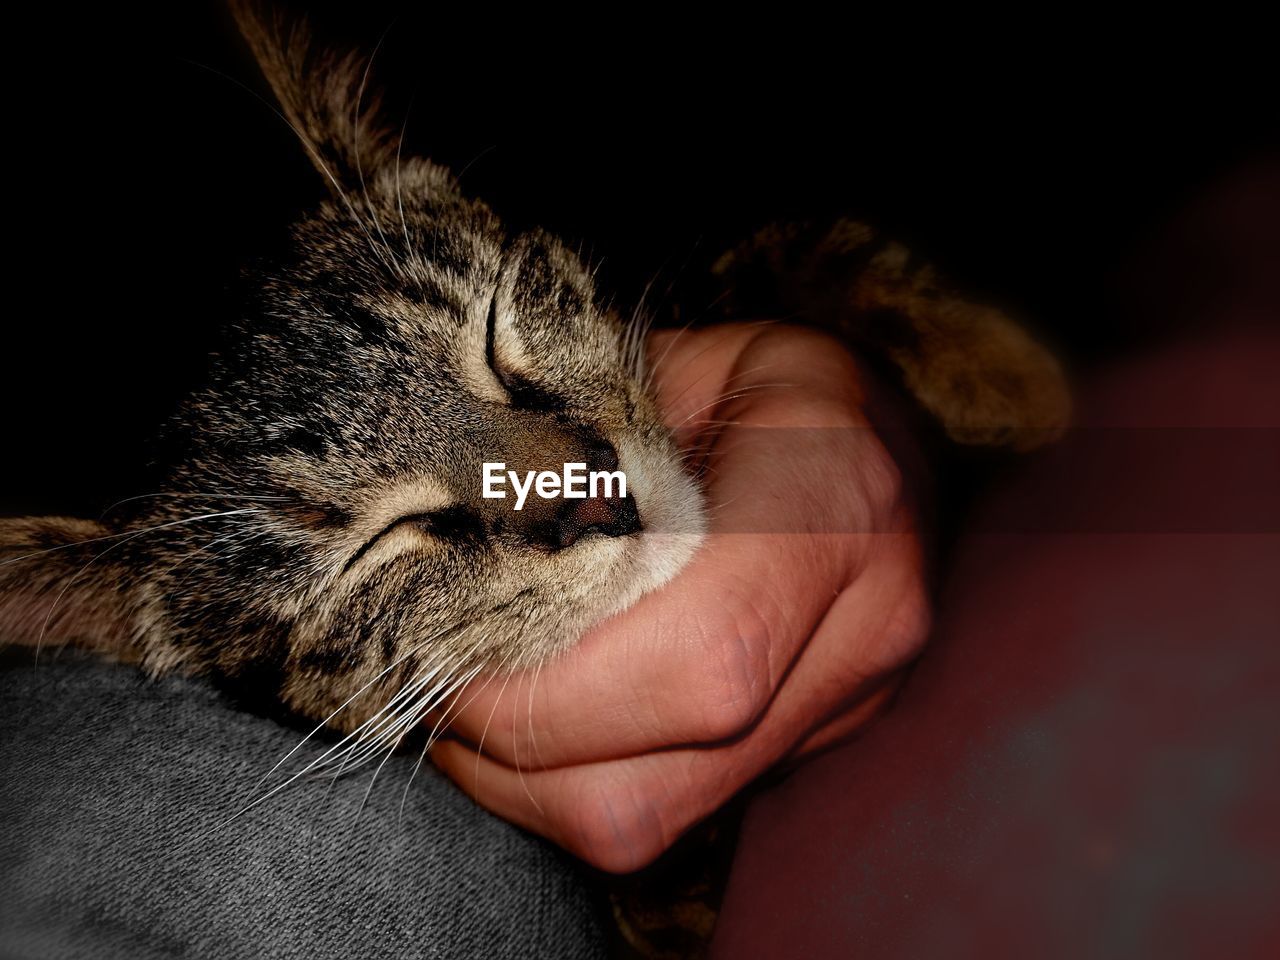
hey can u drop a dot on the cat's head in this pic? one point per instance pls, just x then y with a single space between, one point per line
406 340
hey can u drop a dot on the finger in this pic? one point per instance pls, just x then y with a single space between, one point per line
602 813
801 368
620 814
851 717
694 663
699 660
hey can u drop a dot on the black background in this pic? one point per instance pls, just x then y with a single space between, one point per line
1034 163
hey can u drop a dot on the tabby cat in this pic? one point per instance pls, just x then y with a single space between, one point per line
322 530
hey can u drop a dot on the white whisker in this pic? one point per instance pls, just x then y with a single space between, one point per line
515 749
431 741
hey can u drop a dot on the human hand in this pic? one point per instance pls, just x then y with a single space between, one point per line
785 632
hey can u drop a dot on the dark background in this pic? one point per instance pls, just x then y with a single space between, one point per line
1035 165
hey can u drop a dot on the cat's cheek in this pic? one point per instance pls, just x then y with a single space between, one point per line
672 512
668 499
657 560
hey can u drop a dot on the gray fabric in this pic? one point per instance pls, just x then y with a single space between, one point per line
111 784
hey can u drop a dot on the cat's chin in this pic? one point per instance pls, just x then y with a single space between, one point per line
643 564
674 516
661 557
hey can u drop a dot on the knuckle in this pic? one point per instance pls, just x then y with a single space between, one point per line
912 623
882 480
875 482
794 339
904 631
736 676
615 827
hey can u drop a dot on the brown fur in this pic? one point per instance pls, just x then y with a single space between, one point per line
969 365
321 530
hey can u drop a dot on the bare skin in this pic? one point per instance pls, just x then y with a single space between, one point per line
768 647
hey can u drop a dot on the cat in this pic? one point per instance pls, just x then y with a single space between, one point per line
323 524
322 534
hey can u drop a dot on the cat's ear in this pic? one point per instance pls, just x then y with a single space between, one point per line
324 94
59 584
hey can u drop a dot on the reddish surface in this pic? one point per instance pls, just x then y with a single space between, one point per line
1086 762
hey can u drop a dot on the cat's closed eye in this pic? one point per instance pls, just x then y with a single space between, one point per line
456 524
323 504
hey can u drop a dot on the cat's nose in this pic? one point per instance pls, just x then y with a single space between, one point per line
610 516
